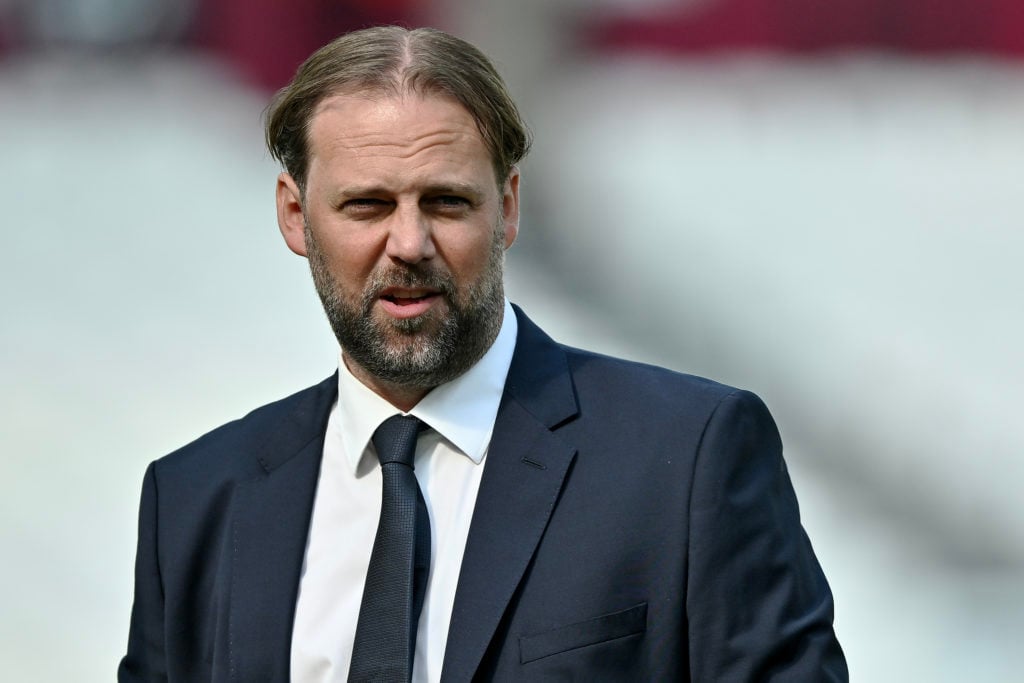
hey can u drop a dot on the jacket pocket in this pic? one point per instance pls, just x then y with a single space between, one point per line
627 622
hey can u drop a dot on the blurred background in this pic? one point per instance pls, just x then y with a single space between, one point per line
820 202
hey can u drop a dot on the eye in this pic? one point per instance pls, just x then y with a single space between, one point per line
451 200
364 201
365 207
449 204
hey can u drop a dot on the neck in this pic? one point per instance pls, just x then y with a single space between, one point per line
400 396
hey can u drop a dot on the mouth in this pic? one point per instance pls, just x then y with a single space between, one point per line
408 302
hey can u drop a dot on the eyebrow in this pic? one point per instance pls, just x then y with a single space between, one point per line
470 189
455 188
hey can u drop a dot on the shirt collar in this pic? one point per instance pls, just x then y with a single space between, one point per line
462 411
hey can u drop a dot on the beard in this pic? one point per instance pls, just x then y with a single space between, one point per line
424 351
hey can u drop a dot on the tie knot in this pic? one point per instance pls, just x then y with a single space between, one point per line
395 439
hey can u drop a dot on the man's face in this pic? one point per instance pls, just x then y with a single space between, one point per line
405 229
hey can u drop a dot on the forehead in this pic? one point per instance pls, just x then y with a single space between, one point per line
398 126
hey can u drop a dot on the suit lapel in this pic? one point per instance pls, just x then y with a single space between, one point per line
270 523
525 468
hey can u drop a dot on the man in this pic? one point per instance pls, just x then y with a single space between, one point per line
589 518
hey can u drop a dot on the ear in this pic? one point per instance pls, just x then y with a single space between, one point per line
290 216
510 206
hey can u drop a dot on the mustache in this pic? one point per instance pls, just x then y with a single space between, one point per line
412 275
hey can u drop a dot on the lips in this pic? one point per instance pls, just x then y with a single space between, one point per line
404 297
407 303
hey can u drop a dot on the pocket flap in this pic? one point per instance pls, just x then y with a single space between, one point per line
619 624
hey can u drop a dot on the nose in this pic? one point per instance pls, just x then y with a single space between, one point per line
410 236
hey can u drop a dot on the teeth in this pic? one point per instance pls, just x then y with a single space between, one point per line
407 297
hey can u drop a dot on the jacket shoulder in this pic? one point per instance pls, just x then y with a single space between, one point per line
644 385
247 447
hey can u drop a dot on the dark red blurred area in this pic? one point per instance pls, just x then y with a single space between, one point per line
263 40
807 26
266 40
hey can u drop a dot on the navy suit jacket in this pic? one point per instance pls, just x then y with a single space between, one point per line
632 524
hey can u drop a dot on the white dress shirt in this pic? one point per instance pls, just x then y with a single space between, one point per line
346 509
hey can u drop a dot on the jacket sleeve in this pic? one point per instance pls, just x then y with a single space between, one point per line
758 605
145 659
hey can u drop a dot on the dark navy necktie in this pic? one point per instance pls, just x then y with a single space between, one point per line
399 564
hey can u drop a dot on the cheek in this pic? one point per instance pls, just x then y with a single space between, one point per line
351 257
466 252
